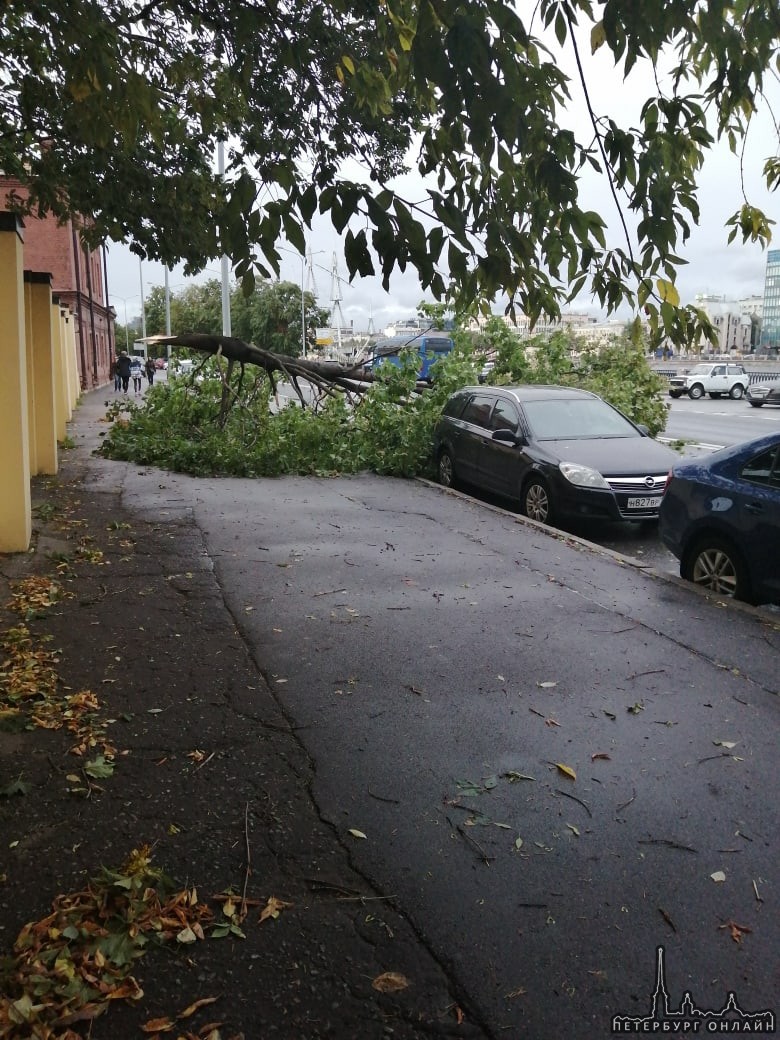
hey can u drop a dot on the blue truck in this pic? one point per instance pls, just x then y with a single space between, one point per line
431 346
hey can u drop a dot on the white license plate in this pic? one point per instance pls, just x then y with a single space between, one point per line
644 503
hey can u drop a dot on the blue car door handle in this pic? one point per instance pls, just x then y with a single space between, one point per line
754 508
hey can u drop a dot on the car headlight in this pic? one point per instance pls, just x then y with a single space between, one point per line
582 476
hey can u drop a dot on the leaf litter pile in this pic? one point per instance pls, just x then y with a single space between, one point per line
29 683
68 967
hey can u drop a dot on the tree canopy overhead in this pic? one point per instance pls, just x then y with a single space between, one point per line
113 108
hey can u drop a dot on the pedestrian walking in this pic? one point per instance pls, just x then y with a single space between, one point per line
114 373
136 371
151 368
123 370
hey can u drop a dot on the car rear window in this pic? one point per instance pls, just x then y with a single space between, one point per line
573 418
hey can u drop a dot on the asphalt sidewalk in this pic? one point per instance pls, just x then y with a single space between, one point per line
132 717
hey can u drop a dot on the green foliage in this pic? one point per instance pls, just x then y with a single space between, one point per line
387 430
620 373
269 316
618 370
131 100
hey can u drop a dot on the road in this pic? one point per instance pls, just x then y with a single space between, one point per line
545 758
717 423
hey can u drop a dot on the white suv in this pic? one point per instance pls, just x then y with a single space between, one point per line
716 379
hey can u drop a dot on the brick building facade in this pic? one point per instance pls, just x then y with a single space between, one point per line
79 282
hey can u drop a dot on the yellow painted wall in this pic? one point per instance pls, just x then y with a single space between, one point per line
41 348
61 404
69 354
15 503
28 337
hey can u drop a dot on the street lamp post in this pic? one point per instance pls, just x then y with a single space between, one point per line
124 300
143 307
303 258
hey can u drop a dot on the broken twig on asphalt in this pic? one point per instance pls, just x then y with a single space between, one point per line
666 841
248 870
630 800
667 918
574 798
486 859
380 798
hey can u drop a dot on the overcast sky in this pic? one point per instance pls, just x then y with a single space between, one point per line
714 267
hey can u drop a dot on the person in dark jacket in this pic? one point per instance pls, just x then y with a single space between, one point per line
123 368
151 368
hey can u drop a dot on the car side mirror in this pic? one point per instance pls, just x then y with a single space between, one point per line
508 437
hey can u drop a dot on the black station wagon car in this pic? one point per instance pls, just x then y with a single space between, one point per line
559 452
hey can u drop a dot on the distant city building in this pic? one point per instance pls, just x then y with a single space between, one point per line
574 321
78 279
406 327
770 326
735 322
601 332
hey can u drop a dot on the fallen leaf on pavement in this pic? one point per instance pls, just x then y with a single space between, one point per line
356 833
566 770
273 908
718 876
600 756
158 1025
390 982
189 1011
736 930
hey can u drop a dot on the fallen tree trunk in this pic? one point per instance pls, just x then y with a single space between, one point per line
324 375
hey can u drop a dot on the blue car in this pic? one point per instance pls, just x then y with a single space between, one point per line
720 516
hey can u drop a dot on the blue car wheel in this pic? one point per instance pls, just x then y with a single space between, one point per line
714 564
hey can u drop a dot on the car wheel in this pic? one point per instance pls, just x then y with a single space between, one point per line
675 393
736 392
536 501
713 563
446 469
756 404
696 391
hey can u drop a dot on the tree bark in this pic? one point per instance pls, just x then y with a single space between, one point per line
325 375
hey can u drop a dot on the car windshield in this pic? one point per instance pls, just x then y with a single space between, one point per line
700 370
573 418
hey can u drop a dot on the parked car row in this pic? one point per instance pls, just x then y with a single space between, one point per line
566 453
559 452
724 380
